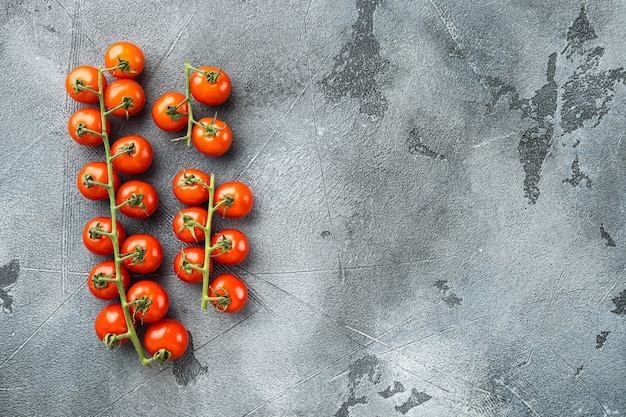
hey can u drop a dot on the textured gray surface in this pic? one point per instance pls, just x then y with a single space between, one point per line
439 218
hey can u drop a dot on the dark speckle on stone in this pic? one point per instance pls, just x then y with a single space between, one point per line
577 176
606 236
620 304
325 234
452 300
601 339
442 285
416 398
416 147
391 391
578 33
361 371
9 274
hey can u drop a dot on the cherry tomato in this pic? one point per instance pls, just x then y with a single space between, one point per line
111 320
239 198
147 250
124 52
188 186
119 91
109 291
166 115
192 234
101 245
152 291
232 287
142 196
211 89
84 76
213 138
166 334
90 119
139 158
239 247
192 255
95 171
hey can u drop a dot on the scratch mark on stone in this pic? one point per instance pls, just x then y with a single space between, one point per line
415 146
611 289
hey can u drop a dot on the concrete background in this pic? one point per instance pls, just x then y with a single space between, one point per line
439 219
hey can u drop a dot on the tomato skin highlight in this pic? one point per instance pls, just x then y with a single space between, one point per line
153 253
110 291
193 255
102 245
208 144
162 119
138 161
111 320
92 120
242 199
89 77
98 172
239 247
153 291
128 52
192 194
211 94
121 88
150 199
195 213
167 334
236 289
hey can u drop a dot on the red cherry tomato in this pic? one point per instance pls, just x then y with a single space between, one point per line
154 292
108 291
211 87
213 138
147 253
166 115
239 247
190 186
101 245
233 290
186 232
90 119
121 90
95 171
84 76
166 334
192 255
139 158
127 53
239 198
142 196
111 320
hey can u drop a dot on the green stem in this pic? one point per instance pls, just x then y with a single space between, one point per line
207 243
190 121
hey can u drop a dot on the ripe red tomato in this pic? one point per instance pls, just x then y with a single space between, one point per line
90 119
119 91
212 88
190 186
147 253
167 334
101 245
186 232
106 290
192 255
142 196
238 196
127 53
111 321
152 291
139 158
84 76
233 290
239 247
166 115
213 138
95 171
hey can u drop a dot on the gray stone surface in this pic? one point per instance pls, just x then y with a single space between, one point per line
439 219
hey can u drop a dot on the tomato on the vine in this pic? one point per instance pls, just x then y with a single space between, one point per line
95 171
192 255
156 309
236 249
190 186
167 334
210 87
84 119
211 136
238 197
98 243
111 321
85 76
139 158
186 232
143 253
168 113
231 289
142 199
124 91
106 290
127 53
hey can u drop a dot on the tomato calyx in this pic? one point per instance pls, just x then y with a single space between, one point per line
101 280
125 150
191 224
174 114
81 129
191 179
211 76
224 244
221 302
89 182
161 356
126 103
78 85
137 256
227 201
187 266
134 201
140 305
96 232
210 130
112 341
